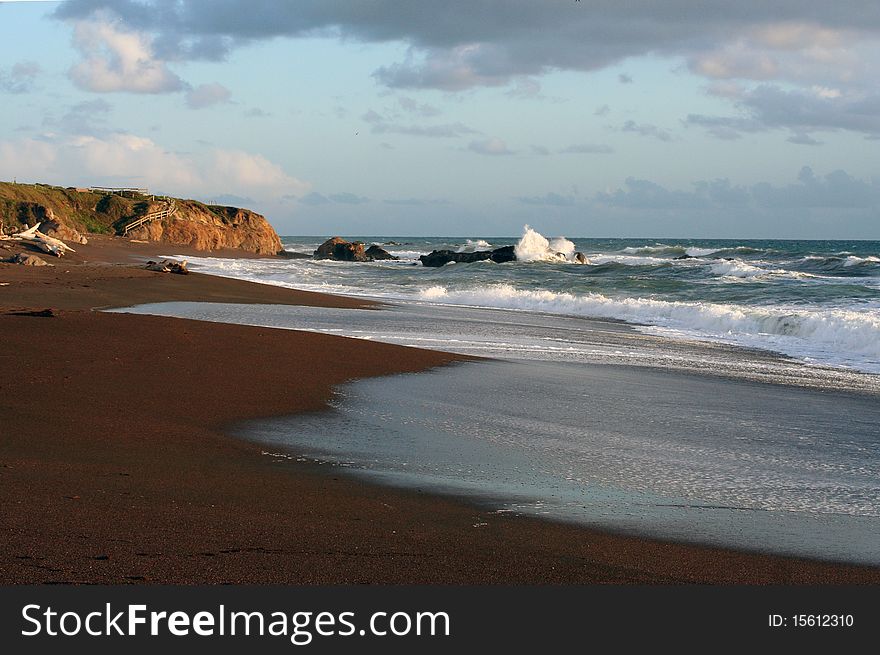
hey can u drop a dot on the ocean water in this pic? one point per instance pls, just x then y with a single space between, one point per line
729 397
817 301
650 452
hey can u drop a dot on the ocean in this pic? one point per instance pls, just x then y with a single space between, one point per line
711 391
816 301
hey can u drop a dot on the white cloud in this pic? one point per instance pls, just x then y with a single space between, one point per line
834 190
133 160
548 199
825 92
646 129
459 44
793 51
462 44
25 159
118 59
20 77
587 149
415 107
493 146
770 107
237 169
736 60
386 125
455 69
526 88
206 95
131 157
799 35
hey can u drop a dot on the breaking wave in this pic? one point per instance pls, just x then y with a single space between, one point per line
845 265
535 247
833 336
666 250
473 245
852 260
672 251
735 268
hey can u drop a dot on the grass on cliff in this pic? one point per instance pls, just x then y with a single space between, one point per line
95 212
86 211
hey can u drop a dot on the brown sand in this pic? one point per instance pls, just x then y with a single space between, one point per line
114 468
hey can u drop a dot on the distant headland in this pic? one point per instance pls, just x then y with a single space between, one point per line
72 213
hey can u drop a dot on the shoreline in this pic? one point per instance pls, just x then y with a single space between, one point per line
118 470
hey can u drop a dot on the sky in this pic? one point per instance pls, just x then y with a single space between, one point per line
584 118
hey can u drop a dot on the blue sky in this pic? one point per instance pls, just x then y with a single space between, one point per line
460 118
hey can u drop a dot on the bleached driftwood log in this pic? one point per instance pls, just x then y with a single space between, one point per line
44 242
168 266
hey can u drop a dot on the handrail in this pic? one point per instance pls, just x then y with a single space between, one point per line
118 189
152 216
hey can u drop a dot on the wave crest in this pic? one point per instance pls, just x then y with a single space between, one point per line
534 247
830 335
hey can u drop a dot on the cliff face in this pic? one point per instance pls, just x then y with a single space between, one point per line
211 227
72 214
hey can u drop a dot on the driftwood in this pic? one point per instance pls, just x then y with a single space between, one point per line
27 259
42 241
168 266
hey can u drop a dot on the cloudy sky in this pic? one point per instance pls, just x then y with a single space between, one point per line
461 117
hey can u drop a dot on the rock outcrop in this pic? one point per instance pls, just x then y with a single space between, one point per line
442 257
211 227
375 253
52 227
69 214
340 250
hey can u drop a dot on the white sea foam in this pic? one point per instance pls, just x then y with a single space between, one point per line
834 336
700 252
628 260
534 247
740 270
406 254
853 260
736 268
647 250
847 335
562 246
677 250
473 245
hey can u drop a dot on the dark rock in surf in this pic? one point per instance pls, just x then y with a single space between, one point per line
504 254
341 250
290 254
437 258
442 257
375 253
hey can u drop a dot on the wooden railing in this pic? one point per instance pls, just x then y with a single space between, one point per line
120 189
152 216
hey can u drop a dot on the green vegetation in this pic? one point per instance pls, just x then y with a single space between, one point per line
101 212
85 211
225 214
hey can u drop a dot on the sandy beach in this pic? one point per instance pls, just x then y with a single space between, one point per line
116 467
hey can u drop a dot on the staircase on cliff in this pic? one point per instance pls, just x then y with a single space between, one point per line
168 210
